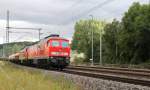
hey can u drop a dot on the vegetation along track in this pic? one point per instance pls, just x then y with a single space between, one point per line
133 76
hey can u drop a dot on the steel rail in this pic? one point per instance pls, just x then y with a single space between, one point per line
143 82
109 71
115 68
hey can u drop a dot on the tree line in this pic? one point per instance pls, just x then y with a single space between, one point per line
11 48
123 42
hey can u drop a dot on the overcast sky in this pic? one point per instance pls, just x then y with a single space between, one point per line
56 16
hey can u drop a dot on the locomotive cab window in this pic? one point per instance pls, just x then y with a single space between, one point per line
65 44
55 43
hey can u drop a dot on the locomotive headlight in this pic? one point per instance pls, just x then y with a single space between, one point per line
54 53
59 53
65 53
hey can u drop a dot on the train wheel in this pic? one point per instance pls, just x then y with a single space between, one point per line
61 68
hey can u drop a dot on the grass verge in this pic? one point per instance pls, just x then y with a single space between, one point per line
13 78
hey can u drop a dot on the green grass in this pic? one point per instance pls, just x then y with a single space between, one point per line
13 78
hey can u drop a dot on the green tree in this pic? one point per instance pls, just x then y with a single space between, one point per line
82 38
111 39
135 38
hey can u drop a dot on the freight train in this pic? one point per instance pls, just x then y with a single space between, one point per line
52 51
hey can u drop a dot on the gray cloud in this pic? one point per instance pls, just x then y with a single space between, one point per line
62 14
56 11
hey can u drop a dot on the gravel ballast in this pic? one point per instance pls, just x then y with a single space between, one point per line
88 83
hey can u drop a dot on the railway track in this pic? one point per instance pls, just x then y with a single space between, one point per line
133 76
114 68
120 71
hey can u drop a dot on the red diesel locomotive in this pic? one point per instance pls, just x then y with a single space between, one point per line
52 51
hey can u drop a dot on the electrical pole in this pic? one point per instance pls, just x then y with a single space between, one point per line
7 28
39 33
3 46
116 43
92 46
149 3
8 31
7 34
100 62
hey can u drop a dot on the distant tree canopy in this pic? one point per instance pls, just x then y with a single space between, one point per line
11 48
125 42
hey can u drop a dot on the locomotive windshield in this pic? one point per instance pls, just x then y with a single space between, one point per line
55 43
65 44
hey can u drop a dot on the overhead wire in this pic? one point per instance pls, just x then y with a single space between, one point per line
75 4
82 14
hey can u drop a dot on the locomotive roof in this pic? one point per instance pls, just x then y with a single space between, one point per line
46 40
57 38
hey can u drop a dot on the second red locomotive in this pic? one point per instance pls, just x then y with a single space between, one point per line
51 51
